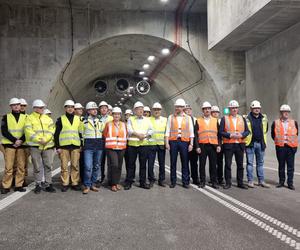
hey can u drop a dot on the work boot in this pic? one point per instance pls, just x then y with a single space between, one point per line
94 188
263 184
250 184
85 190
37 189
50 189
5 190
19 189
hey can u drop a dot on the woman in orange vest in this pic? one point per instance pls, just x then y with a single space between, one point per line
115 134
285 136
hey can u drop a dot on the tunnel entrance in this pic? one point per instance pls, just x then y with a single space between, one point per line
120 69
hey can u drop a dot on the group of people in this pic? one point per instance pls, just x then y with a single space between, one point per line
86 140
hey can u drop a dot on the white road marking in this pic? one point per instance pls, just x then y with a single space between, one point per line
276 170
276 233
17 195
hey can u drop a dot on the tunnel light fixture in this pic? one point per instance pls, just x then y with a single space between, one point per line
164 1
125 94
145 78
142 73
130 95
146 66
122 98
151 58
165 51
131 87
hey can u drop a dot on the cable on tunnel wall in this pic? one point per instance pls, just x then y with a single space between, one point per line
72 51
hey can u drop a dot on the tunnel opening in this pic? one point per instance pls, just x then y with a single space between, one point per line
127 68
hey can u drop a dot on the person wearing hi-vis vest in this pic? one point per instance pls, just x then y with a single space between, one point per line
179 138
256 143
234 130
93 145
39 132
115 133
157 145
12 127
67 138
207 144
139 131
284 132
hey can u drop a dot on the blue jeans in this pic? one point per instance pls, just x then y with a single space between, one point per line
180 147
92 159
259 155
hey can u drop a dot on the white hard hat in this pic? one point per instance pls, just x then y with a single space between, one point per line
38 103
215 109
128 111
233 104
103 103
255 104
157 105
110 107
14 100
206 105
47 112
116 110
138 105
23 102
180 102
91 105
78 106
69 103
285 107
147 109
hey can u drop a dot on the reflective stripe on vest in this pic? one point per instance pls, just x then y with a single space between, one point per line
290 138
208 133
117 136
183 132
139 127
14 127
229 128
69 134
159 129
91 132
248 139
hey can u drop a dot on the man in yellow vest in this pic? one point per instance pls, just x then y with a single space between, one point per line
179 138
39 132
285 135
215 112
157 145
104 117
207 144
12 127
234 130
256 143
139 131
67 140
93 147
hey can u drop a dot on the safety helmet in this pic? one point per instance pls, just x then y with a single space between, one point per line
69 103
78 106
110 107
38 103
103 103
147 109
23 102
128 111
233 104
157 105
255 104
285 107
47 112
116 110
91 105
14 100
138 105
180 102
215 109
206 105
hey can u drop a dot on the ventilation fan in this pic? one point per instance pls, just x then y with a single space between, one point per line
100 86
143 87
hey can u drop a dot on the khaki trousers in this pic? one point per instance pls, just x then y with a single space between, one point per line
11 155
72 155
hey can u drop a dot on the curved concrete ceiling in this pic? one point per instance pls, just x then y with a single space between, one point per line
125 55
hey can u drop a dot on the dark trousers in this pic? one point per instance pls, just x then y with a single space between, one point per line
126 159
161 155
238 151
81 165
103 164
114 165
142 152
208 150
180 147
286 155
220 166
193 162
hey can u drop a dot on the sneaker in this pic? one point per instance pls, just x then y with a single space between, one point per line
263 184
50 189
250 184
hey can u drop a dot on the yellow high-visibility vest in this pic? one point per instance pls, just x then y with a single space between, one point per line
14 127
90 131
159 128
38 127
139 127
69 134
248 139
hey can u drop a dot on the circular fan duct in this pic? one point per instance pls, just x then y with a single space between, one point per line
100 86
122 85
143 87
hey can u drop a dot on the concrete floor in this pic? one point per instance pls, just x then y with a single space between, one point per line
160 218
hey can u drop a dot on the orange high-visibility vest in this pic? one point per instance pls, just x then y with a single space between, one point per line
183 132
115 137
208 133
290 138
229 128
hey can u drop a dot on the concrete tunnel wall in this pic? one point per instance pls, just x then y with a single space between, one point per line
35 45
